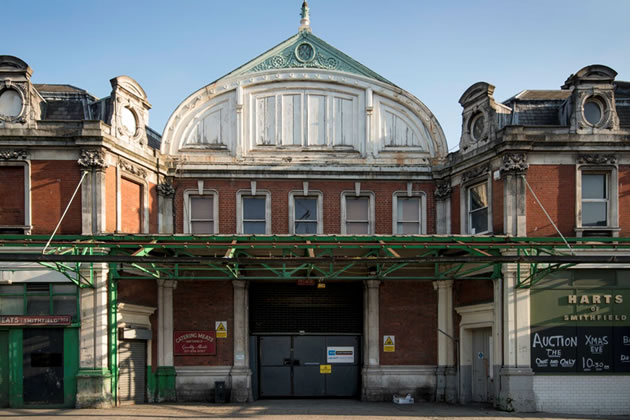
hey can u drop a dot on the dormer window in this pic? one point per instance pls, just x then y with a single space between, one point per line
129 121
11 103
477 126
593 110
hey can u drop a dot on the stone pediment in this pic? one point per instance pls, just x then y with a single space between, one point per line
305 51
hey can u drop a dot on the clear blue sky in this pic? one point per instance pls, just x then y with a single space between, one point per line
433 49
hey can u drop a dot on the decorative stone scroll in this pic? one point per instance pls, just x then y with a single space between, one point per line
92 159
132 169
476 172
166 189
13 154
443 191
514 163
597 159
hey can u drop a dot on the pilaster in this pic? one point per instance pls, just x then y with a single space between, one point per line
165 373
166 193
446 383
94 377
240 374
372 378
514 217
442 196
516 376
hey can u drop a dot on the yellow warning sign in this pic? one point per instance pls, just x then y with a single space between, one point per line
221 329
325 369
389 343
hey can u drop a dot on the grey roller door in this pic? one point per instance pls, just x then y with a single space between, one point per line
132 372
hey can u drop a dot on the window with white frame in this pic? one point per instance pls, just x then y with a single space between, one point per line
305 213
254 212
357 214
477 208
408 213
201 215
595 199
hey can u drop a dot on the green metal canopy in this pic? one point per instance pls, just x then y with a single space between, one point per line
311 258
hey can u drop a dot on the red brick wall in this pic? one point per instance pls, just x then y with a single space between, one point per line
52 185
110 198
131 206
497 207
142 292
455 208
554 186
624 200
331 190
153 208
408 311
197 305
12 195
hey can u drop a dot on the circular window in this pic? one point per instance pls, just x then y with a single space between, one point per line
128 119
305 52
593 111
478 126
10 103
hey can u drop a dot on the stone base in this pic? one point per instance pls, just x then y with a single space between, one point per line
241 385
516 391
94 389
165 384
383 382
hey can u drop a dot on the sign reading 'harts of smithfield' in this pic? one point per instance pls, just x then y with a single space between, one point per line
194 343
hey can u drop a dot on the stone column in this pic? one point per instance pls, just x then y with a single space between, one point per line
240 374
94 383
446 371
516 377
165 386
93 209
372 375
514 195
166 192
443 208
100 193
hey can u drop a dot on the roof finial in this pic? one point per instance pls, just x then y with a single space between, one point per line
305 23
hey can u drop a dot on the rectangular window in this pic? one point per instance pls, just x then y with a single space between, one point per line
478 208
254 215
39 299
357 215
201 215
305 215
594 199
408 215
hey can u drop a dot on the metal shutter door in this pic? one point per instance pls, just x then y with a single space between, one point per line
132 372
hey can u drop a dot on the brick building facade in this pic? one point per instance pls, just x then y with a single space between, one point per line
299 230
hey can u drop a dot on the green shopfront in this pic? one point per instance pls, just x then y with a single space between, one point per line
39 344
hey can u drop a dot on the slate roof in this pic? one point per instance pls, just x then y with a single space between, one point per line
541 95
51 88
154 138
70 110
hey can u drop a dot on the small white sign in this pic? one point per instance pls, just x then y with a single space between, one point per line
340 354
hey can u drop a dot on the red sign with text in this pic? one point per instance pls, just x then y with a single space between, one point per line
194 343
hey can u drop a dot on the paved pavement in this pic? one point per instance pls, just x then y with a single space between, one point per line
288 409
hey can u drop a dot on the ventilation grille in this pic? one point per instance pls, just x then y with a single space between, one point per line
282 308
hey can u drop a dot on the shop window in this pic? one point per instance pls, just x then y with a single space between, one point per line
305 213
478 208
408 213
254 213
596 202
201 212
39 299
357 213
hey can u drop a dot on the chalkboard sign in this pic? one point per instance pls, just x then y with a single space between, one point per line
595 349
580 349
622 349
554 349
